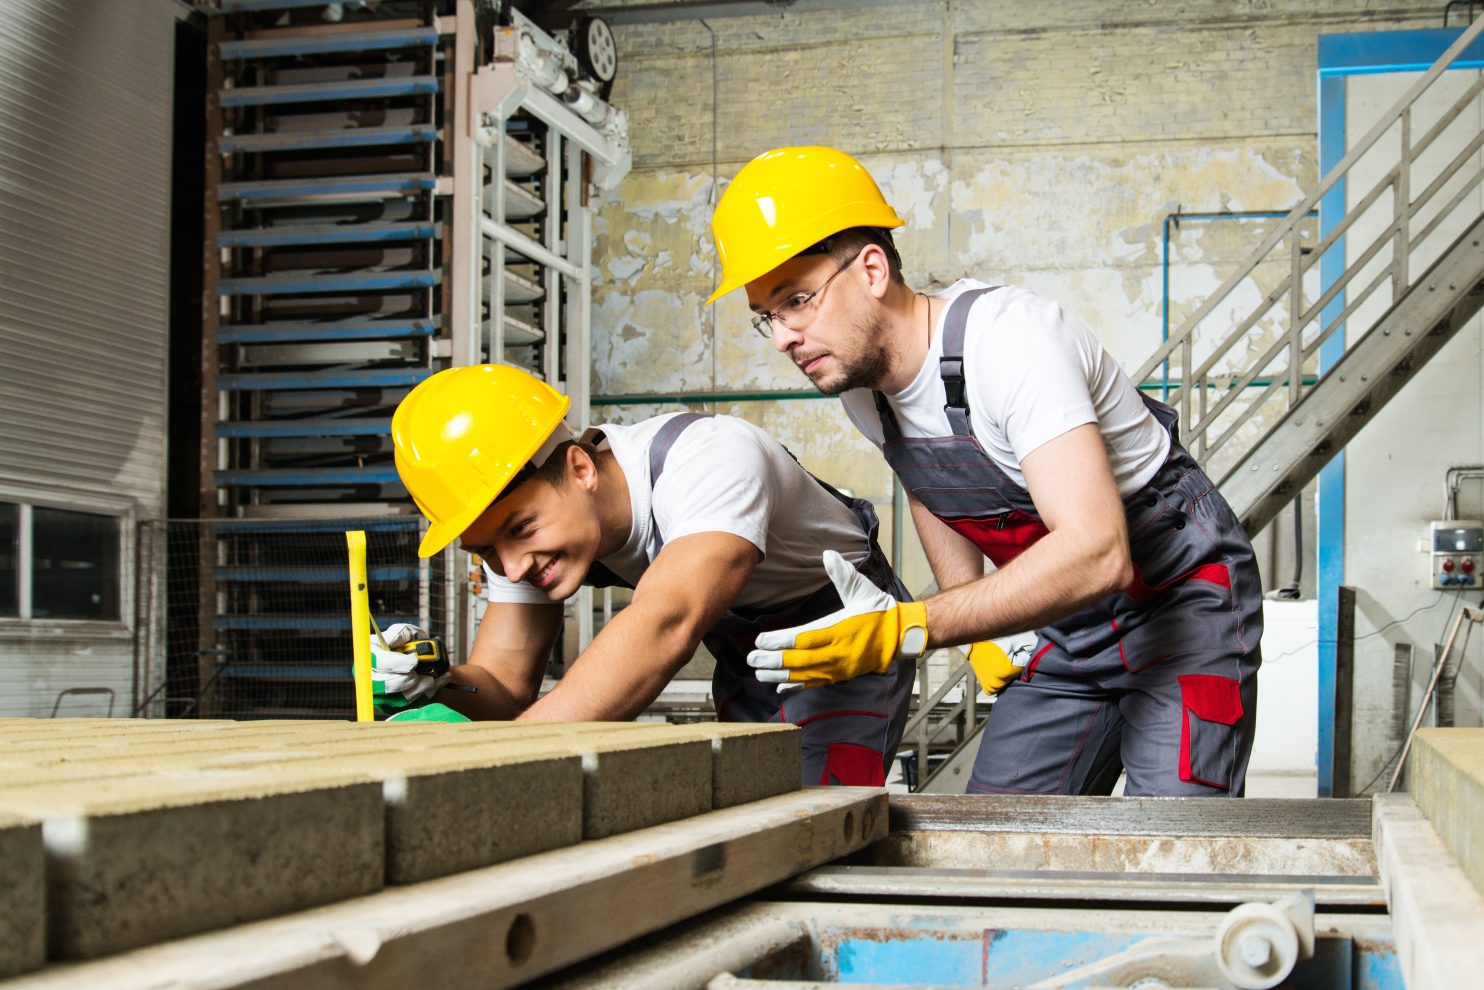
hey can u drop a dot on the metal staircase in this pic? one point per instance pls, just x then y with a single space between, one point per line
352 177
1403 271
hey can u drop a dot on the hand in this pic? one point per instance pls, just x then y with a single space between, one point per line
993 666
395 683
866 636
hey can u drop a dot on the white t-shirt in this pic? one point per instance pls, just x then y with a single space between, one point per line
1031 373
723 475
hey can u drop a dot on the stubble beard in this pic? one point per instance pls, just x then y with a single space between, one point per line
865 361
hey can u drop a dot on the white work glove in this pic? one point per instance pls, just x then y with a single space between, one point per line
395 683
869 633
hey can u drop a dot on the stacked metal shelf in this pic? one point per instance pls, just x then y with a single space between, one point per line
347 185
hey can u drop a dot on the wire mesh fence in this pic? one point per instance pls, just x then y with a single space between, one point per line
251 618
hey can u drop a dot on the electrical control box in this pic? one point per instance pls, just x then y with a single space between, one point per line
1457 551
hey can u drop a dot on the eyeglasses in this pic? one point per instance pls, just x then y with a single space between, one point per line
793 314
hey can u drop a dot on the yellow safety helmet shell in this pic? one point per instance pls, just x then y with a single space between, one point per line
784 202
460 436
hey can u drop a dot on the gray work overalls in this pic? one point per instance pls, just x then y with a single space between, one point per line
1159 679
850 730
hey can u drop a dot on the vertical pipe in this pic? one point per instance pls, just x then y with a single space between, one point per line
579 344
898 522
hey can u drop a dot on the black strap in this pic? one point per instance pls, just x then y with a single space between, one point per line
664 439
950 369
951 364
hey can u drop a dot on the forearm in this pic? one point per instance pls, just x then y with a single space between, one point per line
953 559
491 698
621 672
1060 573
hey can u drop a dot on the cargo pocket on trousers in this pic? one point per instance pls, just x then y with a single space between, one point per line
853 765
1211 706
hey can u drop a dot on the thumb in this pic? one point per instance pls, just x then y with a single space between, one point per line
853 586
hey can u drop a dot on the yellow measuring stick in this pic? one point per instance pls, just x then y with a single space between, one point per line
360 623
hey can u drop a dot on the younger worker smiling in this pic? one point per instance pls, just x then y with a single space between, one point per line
714 525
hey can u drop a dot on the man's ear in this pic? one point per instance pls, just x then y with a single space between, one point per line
581 468
877 268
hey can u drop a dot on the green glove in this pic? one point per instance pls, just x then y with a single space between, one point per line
430 711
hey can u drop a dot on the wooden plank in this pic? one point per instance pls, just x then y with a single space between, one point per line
1249 818
505 925
1436 913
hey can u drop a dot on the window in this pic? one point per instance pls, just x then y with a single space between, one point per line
59 563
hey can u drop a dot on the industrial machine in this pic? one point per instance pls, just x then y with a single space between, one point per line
392 188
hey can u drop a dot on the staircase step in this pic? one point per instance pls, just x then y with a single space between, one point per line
292 333
319 44
350 427
344 89
306 477
348 282
340 137
295 381
357 186
312 575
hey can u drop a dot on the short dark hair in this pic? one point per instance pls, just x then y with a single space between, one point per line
842 247
553 470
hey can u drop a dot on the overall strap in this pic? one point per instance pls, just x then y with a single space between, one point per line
659 447
659 451
951 364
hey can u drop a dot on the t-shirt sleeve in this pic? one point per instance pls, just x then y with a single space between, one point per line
717 479
1031 373
498 589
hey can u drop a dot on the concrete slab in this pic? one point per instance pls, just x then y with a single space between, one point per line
635 780
1447 781
750 762
142 859
22 896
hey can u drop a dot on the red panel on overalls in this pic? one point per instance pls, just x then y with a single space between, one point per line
1104 690
850 730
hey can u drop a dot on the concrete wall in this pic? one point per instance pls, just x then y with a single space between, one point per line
1044 145
1039 144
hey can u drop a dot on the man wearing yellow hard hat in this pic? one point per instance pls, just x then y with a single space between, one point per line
1018 438
719 531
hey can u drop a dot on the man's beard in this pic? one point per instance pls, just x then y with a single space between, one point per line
869 362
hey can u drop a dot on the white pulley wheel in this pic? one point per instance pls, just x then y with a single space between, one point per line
1257 946
598 49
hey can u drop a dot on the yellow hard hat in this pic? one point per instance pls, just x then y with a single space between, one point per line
463 434
784 202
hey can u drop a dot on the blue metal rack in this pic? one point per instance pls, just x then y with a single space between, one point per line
325 303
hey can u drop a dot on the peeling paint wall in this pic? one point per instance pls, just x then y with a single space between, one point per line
1039 144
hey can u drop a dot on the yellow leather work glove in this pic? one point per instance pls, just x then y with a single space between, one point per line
870 632
993 666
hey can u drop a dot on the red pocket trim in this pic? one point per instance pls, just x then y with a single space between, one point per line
1211 697
853 765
